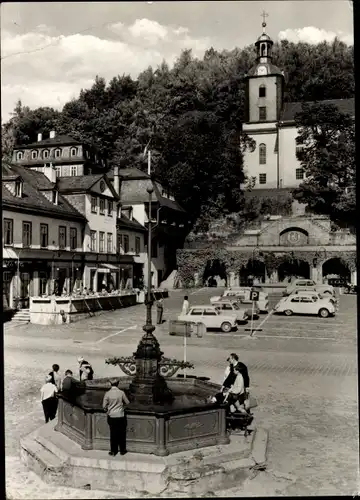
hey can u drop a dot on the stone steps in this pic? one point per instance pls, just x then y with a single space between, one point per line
21 316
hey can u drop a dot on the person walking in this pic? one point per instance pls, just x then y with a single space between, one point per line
55 376
48 399
160 311
185 306
85 370
113 404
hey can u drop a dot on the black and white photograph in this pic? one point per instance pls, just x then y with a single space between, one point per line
179 259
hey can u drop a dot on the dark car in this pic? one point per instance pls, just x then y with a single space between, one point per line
342 283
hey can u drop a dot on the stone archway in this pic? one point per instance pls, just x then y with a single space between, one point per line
253 271
215 273
291 269
335 268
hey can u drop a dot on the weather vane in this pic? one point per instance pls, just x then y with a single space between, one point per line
264 15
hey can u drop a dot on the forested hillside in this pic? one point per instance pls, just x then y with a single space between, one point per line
192 113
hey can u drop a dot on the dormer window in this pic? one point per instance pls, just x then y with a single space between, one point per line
34 155
73 152
46 154
57 153
18 189
20 155
55 197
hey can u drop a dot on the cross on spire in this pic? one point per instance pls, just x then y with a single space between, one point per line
264 15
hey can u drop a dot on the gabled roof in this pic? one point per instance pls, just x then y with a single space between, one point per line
83 183
128 173
59 140
133 224
291 108
165 202
33 198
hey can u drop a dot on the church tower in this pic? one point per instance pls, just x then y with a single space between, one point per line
265 83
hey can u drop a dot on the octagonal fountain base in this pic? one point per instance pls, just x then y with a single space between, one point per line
59 460
189 422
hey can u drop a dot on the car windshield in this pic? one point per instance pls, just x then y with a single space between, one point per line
235 306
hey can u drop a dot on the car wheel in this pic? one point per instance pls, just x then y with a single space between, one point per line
346 290
226 327
288 312
323 313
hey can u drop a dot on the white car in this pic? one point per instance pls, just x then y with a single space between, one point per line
243 294
313 293
233 306
211 316
305 284
305 304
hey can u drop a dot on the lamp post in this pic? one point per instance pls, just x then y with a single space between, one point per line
18 278
148 327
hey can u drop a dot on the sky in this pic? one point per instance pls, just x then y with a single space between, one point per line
50 51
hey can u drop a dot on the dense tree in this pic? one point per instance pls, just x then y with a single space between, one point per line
327 155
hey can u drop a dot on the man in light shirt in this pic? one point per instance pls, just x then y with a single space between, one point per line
113 404
48 399
235 396
186 305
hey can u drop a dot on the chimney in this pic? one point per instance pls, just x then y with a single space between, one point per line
39 137
116 180
52 134
50 172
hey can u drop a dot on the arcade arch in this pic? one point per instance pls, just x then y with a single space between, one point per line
335 268
215 270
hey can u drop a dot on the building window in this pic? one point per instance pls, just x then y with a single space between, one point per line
62 237
94 204
299 173
109 243
27 234
118 242
126 243
45 153
101 241
262 91
33 155
57 153
262 178
102 206
58 171
154 249
73 238
18 189
110 208
137 245
44 235
20 155
262 154
93 241
262 113
299 149
73 152
73 170
8 232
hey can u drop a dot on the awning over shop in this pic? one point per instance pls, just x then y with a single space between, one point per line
111 266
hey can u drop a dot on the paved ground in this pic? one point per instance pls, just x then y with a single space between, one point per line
303 372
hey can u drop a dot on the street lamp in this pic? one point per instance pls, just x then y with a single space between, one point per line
18 277
320 254
148 327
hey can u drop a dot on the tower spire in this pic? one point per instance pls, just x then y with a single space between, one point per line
264 15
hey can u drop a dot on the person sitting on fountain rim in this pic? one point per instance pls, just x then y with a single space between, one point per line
230 375
235 395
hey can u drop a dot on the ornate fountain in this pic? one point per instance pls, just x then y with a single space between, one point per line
165 415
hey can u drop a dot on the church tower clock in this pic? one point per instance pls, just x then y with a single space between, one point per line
264 83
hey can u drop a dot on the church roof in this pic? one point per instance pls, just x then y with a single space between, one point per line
271 69
291 108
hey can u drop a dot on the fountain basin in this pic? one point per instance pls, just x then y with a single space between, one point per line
186 424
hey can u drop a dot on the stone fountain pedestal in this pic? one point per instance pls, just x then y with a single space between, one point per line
58 460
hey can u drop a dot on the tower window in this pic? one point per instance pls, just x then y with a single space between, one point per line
299 173
262 91
262 154
262 178
262 113
263 50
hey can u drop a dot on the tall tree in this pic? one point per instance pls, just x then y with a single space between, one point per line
327 155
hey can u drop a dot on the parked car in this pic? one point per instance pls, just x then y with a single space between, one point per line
243 294
313 293
242 311
306 304
342 283
211 316
305 284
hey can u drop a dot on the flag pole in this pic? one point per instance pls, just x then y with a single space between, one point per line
149 162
